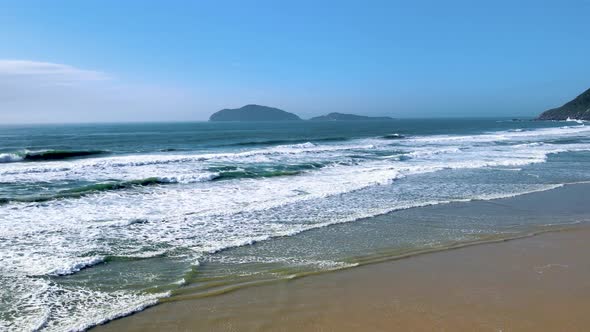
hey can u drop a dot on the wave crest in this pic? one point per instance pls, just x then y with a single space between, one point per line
47 155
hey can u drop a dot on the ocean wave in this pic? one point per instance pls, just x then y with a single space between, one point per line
574 120
57 308
408 160
393 136
242 174
305 186
217 236
10 157
110 164
78 266
47 155
140 304
502 136
188 178
216 174
215 248
287 141
59 154
112 186
83 191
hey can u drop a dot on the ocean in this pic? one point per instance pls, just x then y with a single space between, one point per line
98 221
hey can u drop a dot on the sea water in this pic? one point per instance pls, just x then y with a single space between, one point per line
100 221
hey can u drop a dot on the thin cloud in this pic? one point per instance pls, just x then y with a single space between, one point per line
38 92
48 72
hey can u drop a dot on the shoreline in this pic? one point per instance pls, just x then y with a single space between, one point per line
164 312
192 291
417 287
193 295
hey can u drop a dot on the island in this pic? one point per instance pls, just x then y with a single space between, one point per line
576 109
253 113
347 117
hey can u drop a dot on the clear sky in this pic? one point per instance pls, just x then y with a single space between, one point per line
80 61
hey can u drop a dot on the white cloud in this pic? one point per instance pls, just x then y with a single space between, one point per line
41 92
46 71
33 91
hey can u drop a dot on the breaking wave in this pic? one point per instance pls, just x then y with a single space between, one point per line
47 155
187 205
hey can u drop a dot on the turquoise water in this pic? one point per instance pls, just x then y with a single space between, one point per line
99 221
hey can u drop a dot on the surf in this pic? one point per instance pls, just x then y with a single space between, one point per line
47 155
151 216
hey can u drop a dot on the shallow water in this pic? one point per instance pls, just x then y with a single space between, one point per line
104 220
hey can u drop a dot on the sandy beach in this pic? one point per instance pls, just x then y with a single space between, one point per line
294 166
535 283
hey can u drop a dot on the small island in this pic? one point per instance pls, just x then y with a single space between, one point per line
576 109
253 113
348 117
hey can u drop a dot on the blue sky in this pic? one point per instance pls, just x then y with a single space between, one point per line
182 60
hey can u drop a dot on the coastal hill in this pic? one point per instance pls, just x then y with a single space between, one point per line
253 113
265 113
347 117
578 108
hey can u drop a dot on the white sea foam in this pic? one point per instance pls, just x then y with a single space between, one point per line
500 136
76 266
50 307
198 216
161 165
574 120
189 178
10 158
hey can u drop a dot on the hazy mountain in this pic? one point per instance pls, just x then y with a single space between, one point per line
253 113
347 117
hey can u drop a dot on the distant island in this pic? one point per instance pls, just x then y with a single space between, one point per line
264 113
347 117
578 109
253 113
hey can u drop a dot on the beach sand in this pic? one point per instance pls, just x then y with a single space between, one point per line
537 283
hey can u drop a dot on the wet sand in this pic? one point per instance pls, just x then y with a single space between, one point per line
538 283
